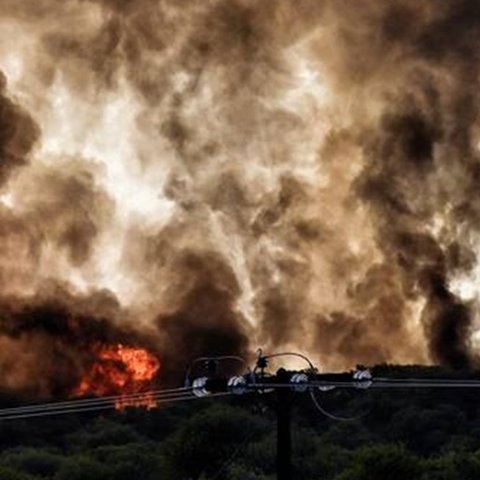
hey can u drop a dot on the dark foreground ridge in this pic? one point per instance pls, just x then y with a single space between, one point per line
396 434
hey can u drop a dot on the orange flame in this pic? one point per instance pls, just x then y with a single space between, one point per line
121 370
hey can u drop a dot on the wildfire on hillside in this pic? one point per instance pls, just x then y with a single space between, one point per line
121 370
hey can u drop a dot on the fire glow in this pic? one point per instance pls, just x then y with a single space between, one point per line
121 370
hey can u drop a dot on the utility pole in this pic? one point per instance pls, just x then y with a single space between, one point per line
284 434
284 384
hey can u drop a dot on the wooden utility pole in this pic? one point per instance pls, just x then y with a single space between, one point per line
284 434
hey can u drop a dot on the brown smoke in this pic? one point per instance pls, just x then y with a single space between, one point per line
288 174
422 159
49 339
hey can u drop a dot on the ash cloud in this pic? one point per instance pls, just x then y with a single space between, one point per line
297 174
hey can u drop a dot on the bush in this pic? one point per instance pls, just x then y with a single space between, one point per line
104 432
453 466
33 461
205 441
132 461
382 462
81 467
9 473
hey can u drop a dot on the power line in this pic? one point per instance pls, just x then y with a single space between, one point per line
332 416
259 387
63 411
111 399
73 408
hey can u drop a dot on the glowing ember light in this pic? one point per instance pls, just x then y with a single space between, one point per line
121 370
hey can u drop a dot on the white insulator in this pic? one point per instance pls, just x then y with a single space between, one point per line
363 378
326 388
237 385
300 380
198 387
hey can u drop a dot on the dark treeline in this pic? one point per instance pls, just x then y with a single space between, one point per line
398 435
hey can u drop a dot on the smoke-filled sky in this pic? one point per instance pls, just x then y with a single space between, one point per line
208 177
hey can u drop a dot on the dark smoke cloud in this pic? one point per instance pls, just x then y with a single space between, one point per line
205 320
55 335
368 335
421 155
333 225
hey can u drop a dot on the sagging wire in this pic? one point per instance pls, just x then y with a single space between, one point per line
262 363
331 415
317 404
362 381
315 401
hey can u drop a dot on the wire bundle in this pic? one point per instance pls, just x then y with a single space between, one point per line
98 403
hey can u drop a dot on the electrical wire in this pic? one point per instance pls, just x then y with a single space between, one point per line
106 405
99 400
60 411
25 415
424 385
292 354
331 415
420 383
312 391
427 380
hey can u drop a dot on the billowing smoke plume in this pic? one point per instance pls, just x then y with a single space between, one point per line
209 177
421 157
49 340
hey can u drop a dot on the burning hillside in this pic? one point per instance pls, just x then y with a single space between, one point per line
184 178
